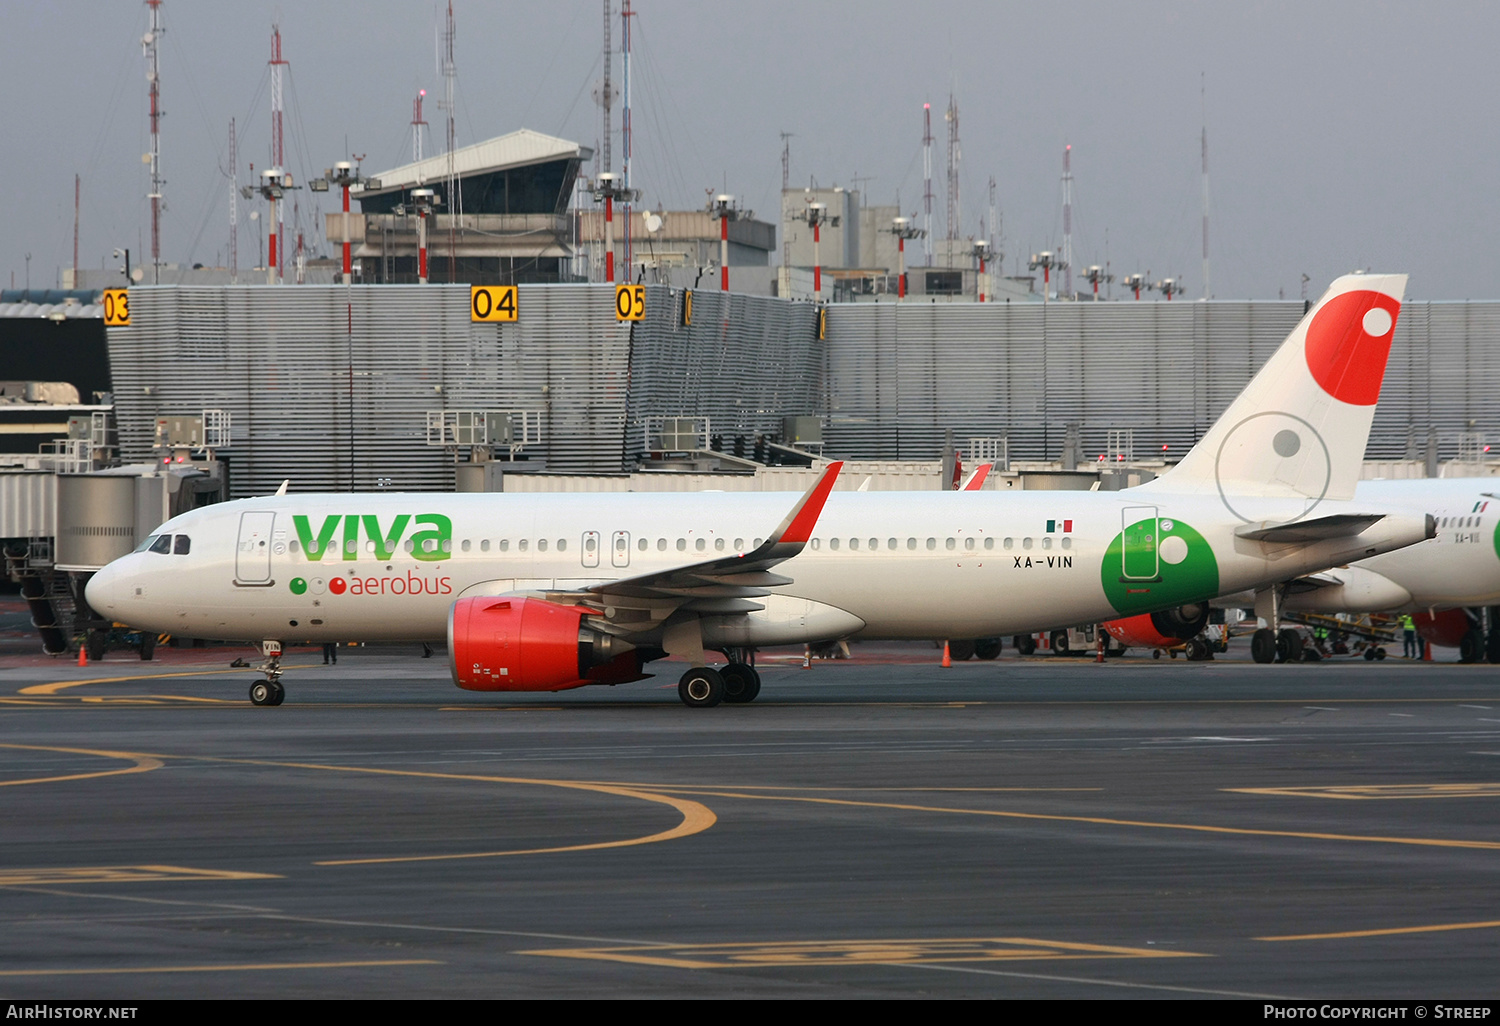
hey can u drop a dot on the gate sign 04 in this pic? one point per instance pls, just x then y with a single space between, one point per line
491 303
630 302
116 308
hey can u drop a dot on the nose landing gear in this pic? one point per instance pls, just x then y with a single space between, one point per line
269 691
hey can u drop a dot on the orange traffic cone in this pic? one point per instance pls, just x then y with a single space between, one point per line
83 654
947 656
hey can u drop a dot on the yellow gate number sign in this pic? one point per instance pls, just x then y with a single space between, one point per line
116 308
492 303
630 302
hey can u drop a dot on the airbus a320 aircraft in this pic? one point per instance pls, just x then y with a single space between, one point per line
544 592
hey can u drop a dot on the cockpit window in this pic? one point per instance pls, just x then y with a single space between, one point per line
150 541
182 545
163 544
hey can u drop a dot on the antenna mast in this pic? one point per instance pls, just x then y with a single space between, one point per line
153 78
417 124
234 207
1067 249
1203 91
625 15
606 97
455 202
953 158
786 183
927 180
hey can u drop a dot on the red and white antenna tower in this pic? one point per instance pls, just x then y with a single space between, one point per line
1067 246
953 159
278 149
927 181
153 80
418 123
606 95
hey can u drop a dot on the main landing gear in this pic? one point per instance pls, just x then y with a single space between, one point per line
704 687
269 691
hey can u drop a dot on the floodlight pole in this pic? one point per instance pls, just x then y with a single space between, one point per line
723 209
903 229
607 188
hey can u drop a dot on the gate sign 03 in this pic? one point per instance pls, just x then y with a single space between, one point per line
116 308
492 303
630 302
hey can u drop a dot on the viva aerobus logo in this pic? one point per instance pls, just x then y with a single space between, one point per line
340 535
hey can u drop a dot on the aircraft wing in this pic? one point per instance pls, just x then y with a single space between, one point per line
725 584
1338 525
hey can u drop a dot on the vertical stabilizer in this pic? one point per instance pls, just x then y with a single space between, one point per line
1296 435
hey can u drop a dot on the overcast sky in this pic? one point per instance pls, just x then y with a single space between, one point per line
1341 134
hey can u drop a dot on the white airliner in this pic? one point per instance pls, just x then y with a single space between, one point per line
544 592
1439 579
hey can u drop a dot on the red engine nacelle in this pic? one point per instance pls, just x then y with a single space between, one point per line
528 644
1167 628
1446 628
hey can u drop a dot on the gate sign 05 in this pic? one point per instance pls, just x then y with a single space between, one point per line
630 302
116 308
492 303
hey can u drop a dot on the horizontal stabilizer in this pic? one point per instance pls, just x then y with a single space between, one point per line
1340 525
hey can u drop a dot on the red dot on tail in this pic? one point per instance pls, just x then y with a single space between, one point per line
1348 342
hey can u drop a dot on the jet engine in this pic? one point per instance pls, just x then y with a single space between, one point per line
1446 629
1166 628
529 644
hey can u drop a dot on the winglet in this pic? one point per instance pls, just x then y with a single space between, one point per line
798 526
976 479
282 489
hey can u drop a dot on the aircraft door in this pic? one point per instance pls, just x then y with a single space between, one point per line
589 551
619 548
252 560
1140 529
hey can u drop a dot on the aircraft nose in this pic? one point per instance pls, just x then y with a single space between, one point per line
105 589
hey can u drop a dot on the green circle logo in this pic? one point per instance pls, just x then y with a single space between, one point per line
298 586
1156 563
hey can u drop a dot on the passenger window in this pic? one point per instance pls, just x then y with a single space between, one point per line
739 545
874 544
853 544
294 546
969 544
643 544
562 544
541 544
911 543
484 545
182 545
661 545
1046 543
1025 543
447 544
719 544
523 543
163 544
1067 542
589 544
833 543
700 544
466 545
931 544
408 545
351 546
817 543
758 542
890 543
504 544
681 544
1010 543
989 543
951 544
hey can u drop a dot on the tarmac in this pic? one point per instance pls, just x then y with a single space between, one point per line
873 827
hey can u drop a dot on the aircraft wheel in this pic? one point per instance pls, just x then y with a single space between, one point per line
1380 653
741 683
1471 648
1156 653
1197 650
148 646
98 644
1059 642
1288 646
263 692
702 687
988 648
280 694
1263 645
1025 644
961 650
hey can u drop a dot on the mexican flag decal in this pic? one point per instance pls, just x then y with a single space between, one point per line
1053 528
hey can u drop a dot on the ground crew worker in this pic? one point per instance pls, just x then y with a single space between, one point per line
1409 640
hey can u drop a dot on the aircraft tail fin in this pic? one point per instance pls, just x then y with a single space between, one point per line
1296 435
